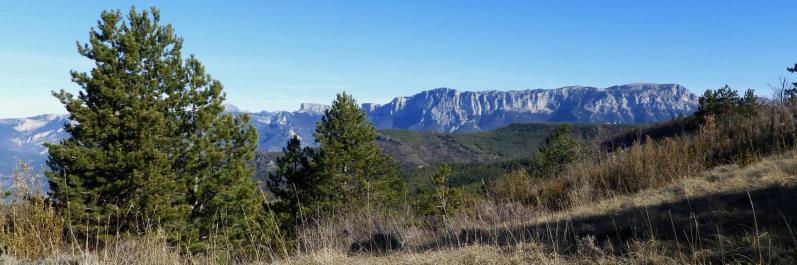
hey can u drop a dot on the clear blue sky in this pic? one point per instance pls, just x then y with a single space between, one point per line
273 55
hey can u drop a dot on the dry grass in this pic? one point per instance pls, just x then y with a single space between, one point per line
707 198
29 227
507 230
331 240
477 254
526 253
777 171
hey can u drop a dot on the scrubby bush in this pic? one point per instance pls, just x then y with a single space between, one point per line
440 200
30 227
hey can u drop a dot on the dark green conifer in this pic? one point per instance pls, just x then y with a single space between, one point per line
440 200
353 171
720 103
790 94
294 184
560 149
150 146
749 105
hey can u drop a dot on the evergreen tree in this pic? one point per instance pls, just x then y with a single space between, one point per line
725 103
441 200
293 183
352 169
720 103
749 104
791 93
150 144
560 149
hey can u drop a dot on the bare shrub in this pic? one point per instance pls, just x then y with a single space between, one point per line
30 228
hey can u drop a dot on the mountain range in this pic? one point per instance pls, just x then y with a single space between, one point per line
438 110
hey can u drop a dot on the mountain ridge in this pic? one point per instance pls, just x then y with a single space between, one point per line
441 109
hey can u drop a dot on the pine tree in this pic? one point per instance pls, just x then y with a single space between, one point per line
441 200
560 149
352 169
791 93
293 183
720 103
150 144
749 104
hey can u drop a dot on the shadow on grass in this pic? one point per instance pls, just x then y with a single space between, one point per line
719 226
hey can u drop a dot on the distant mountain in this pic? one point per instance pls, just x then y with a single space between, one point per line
449 110
438 110
23 139
275 128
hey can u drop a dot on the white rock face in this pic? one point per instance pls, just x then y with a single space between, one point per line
276 128
312 108
449 110
27 135
23 140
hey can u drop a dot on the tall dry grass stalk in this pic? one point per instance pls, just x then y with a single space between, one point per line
30 228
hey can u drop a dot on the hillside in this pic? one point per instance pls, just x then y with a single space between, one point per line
471 154
516 141
726 214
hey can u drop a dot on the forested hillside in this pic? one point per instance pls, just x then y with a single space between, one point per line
473 155
517 141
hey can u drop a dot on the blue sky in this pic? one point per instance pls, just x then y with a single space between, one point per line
272 55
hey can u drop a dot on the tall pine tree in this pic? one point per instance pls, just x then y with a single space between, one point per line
294 184
353 171
150 144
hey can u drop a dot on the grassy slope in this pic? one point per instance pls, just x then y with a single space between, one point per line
727 214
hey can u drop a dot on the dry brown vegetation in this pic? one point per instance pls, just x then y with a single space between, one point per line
724 194
654 226
724 215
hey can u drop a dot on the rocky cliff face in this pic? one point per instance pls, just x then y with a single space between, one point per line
23 140
442 109
449 110
276 128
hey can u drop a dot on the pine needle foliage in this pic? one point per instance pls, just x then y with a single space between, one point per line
353 170
294 185
560 149
441 200
150 145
